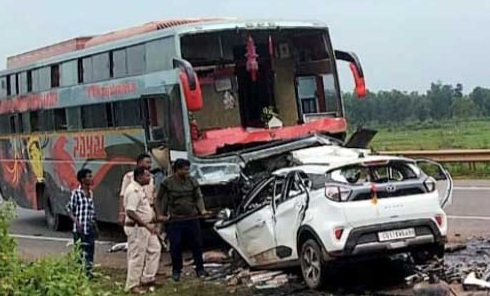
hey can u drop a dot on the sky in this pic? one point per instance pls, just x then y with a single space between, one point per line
402 45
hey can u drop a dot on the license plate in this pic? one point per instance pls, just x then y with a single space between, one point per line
396 234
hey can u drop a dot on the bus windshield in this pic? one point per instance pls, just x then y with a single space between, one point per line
262 85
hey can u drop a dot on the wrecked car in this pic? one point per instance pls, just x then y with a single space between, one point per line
339 203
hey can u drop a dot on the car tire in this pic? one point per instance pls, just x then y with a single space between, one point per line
313 267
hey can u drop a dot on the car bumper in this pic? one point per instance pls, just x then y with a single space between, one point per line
364 240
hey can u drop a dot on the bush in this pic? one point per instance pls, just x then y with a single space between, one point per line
62 275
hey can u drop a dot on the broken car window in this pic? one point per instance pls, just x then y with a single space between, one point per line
360 174
262 197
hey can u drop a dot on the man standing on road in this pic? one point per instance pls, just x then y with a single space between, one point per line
143 160
82 212
182 203
143 245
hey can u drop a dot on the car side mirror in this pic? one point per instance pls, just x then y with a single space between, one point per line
224 214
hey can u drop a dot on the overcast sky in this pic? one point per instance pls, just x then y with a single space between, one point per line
402 46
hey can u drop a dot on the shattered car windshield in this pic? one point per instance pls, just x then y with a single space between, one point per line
360 174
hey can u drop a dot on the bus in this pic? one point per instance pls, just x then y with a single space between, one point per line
210 90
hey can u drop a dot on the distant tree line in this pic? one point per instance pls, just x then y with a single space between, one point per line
441 102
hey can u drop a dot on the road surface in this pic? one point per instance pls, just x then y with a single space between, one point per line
469 217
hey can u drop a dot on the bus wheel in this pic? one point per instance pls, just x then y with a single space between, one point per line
52 219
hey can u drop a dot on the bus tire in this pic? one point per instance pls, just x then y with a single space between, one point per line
53 220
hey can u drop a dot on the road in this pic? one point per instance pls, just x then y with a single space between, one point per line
468 217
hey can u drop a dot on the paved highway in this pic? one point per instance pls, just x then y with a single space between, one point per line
469 215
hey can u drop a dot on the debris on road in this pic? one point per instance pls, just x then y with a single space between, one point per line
451 248
467 264
471 281
119 247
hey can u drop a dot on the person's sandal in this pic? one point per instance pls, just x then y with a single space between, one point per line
155 283
138 290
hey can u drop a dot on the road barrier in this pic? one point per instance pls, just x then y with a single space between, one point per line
444 156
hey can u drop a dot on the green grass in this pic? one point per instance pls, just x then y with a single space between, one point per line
470 134
434 136
113 280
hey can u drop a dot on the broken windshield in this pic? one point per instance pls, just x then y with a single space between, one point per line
253 80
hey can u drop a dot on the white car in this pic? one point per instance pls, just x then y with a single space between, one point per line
356 205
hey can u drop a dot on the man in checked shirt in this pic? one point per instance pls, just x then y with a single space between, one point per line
82 212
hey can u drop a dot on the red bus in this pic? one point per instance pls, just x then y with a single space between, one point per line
218 92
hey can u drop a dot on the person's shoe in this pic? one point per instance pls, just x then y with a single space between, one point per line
138 290
202 273
156 283
176 276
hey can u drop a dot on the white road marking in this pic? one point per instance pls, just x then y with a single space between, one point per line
469 217
57 239
471 188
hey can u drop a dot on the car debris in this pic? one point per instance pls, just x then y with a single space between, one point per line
119 247
472 281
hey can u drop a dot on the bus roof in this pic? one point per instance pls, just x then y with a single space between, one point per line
81 46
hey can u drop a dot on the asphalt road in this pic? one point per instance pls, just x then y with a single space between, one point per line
469 215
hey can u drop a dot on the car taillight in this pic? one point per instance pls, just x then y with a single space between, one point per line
337 193
439 220
338 233
430 184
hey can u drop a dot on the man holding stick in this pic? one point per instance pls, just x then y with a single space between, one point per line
182 204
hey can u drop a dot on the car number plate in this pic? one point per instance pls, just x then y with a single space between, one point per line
396 234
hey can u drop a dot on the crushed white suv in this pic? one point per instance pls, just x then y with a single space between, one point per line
349 206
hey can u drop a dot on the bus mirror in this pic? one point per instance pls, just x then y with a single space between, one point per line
361 91
356 69
190 84
193 95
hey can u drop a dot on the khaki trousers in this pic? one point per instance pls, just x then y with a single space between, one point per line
143 256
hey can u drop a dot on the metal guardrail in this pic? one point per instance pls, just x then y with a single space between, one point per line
472 155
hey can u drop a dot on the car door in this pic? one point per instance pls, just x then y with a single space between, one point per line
290 209
255 231
443 179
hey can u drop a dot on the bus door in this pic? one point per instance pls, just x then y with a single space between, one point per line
157 133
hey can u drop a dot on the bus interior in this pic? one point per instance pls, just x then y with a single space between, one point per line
256 79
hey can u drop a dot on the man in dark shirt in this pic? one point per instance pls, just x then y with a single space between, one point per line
182 204
82 212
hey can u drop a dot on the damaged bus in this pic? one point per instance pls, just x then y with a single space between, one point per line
232 96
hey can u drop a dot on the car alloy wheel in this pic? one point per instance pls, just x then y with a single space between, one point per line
312 265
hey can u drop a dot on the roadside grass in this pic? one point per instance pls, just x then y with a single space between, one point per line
113 280
447 135
434 136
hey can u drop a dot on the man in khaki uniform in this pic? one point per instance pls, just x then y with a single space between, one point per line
143 160
143 245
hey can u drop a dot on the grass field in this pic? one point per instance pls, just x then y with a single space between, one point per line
434 136
474 134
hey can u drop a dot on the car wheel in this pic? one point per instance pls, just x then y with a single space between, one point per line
313 267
